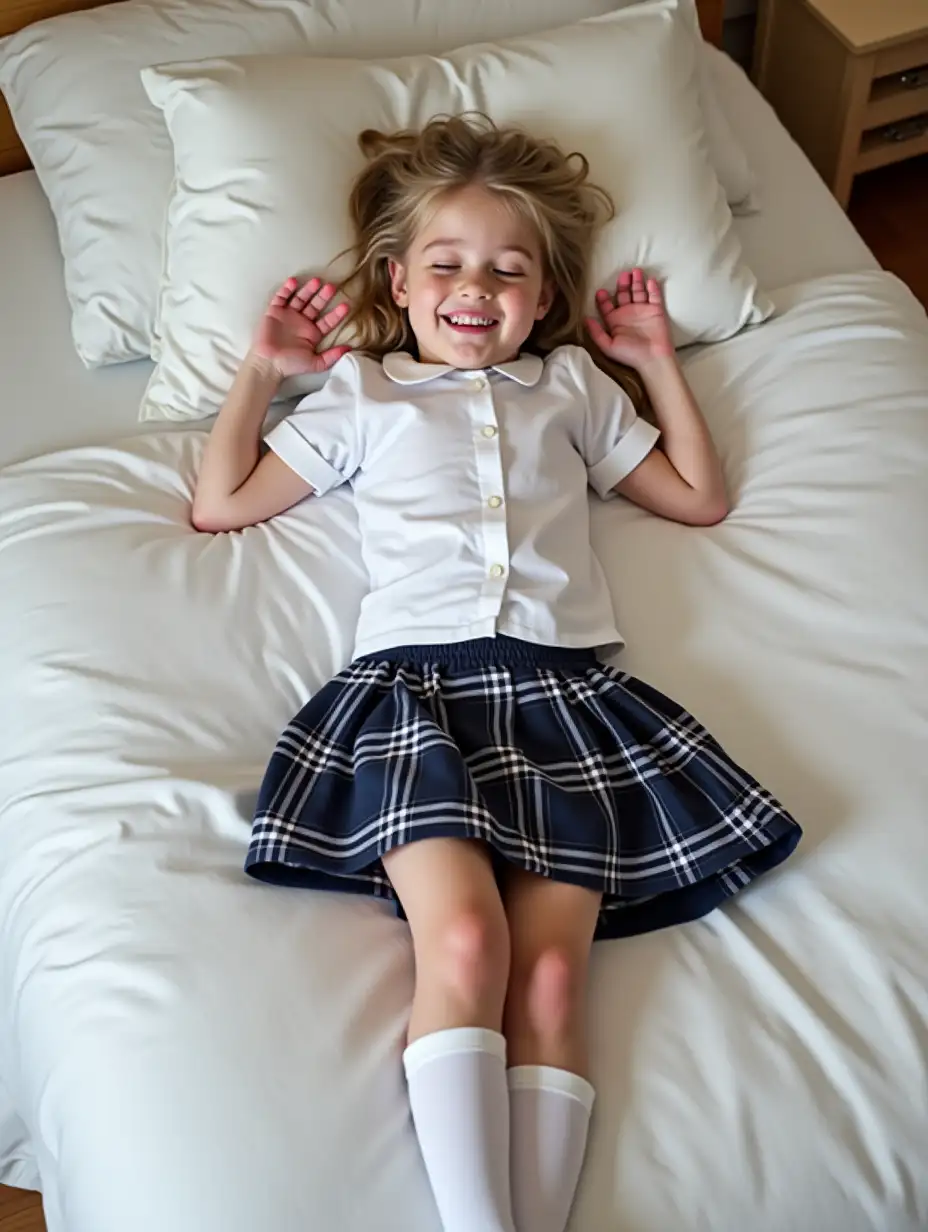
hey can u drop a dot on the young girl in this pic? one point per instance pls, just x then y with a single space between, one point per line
476 761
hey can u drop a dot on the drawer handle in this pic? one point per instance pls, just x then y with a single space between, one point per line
905 130
914 78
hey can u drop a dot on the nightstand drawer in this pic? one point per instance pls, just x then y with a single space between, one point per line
897 97
889 144
898 59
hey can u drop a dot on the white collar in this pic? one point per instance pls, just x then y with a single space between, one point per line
404 370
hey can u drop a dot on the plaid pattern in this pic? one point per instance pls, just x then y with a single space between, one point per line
562 766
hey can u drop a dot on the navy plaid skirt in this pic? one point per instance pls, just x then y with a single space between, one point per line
560 765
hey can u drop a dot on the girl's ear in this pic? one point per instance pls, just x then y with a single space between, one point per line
398 283
545 300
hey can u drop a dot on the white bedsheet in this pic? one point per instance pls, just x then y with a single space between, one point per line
195 1052
49 400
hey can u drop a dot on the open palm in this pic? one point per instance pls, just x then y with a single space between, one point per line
634 328
292 329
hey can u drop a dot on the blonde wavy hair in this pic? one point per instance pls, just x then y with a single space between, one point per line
406 176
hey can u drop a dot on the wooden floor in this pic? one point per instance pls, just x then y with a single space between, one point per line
889 209
20 1211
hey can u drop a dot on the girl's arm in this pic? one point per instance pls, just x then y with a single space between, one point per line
683 479
235 488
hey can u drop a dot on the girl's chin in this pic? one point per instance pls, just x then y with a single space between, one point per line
468 349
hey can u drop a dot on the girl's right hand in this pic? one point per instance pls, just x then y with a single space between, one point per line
292 329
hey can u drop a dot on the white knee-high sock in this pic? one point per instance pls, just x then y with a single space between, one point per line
460 1107
549 1118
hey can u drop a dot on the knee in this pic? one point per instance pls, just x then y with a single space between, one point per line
472 950
550 987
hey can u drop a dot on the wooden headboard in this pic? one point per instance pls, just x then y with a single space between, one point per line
14 14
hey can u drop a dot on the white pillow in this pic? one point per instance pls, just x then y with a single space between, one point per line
101 150
266 150
729 159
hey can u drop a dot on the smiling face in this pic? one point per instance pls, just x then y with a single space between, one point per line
473 281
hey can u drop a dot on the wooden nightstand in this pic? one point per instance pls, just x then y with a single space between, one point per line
849 79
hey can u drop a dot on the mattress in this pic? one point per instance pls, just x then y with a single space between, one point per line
187 1050
50 400
799 231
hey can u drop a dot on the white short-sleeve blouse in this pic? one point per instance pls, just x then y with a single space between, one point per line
472 492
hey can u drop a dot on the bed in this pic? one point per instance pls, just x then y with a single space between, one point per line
182 1050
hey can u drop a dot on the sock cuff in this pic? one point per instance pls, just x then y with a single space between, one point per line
451 1042
547 1078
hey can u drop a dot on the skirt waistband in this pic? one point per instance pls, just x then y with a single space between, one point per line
499 651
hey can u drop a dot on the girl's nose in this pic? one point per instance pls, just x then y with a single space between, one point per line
476 286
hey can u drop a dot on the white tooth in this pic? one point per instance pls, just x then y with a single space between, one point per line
457 319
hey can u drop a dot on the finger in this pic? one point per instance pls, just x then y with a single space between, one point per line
321 298
600 336
639 294
305 293
330 357
604 303
655 295
623 289
282 295
327 323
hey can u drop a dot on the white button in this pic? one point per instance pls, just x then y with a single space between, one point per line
495 501
479 383
489 431
497 571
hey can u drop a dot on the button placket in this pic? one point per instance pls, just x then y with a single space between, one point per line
491 484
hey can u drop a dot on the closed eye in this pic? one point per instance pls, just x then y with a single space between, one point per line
445 268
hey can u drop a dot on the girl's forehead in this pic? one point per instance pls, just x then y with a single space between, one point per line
476 215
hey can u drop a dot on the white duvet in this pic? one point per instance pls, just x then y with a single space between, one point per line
189 1051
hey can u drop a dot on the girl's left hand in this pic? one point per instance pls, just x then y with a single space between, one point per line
634 329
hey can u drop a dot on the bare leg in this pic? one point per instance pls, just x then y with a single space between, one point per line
551 926
459 933
456 1059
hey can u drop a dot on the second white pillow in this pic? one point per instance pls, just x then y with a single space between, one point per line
266 149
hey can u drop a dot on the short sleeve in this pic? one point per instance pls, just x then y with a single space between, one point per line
615 438
321 439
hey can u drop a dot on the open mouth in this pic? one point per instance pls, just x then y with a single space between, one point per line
469 323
